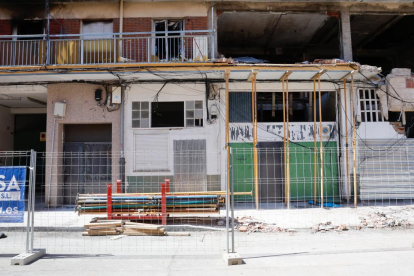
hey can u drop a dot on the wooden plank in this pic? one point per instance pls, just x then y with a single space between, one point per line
107 224
178 234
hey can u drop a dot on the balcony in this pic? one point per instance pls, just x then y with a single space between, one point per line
106 48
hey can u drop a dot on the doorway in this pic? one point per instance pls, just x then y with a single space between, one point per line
87 160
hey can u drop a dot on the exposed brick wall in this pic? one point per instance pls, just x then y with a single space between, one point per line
5 27
409 82
69 26
136 48
196 23
193 24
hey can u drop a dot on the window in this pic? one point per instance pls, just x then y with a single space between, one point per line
167 114
168 43
194 113
140 114
369 106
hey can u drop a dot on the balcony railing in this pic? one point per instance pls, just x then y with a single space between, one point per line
106 48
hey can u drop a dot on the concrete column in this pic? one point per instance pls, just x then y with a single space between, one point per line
212 24
346 39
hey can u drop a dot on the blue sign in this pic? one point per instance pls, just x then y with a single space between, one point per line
12 181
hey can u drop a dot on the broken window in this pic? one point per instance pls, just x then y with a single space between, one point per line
168 43
167 114
194 113
369 106
270 107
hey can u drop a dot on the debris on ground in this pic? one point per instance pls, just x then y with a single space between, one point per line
384 219
250 225
328 226
3 236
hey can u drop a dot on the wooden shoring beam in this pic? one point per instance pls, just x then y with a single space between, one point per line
315 154
319 74
286 75
354 141
320 138
255 154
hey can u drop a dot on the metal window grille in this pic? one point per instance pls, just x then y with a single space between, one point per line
369 106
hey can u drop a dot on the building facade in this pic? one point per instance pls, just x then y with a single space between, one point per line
156 90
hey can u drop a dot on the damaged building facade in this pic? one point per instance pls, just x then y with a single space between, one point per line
157 90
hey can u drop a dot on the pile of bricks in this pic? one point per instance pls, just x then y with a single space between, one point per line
386 219
328 226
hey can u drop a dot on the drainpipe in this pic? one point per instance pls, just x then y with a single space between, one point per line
121 26
122 158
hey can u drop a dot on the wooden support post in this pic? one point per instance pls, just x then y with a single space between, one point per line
109 200
320 137
348 182
255 154
354 141
226 77
284 137
315 154
287 144
164 203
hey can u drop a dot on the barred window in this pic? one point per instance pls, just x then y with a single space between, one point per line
369 105
140 114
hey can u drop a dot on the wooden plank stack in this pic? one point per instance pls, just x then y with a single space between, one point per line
117 227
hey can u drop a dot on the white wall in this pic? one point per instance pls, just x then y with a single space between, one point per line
172 92
6 129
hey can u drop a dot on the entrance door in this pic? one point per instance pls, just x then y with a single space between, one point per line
271 172
87 160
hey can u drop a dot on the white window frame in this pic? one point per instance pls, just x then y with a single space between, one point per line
185 115
166 34
373 104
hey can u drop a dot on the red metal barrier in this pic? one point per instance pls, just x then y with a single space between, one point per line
167 181
109 200
118 186
164 203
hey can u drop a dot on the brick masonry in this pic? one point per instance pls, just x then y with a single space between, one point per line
409 82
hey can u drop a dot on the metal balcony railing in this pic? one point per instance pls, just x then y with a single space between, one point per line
106 48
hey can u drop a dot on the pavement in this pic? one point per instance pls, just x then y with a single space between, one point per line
364 252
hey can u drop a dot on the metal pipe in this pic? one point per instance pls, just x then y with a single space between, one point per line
29 203
232 203
51 162
121 27
33 200
320 136
226 77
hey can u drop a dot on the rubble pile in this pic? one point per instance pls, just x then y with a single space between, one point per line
328 226
386 219
250 225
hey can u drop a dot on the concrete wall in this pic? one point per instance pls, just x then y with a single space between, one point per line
81 108
212 133
6 129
